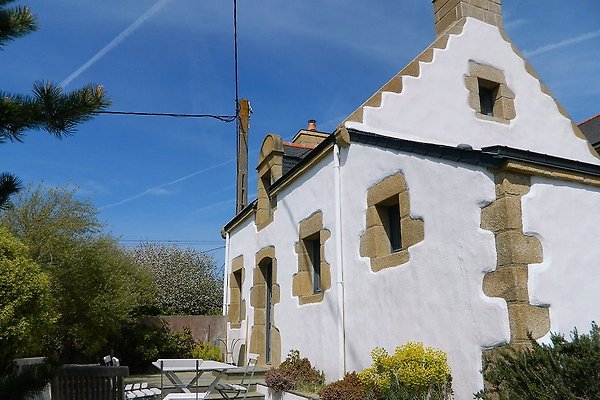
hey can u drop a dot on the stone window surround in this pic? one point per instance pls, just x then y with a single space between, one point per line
481 75
257 301
302 281
237 304
374 243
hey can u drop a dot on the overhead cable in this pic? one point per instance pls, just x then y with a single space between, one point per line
224 118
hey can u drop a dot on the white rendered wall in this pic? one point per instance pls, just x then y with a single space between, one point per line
433 107
437 297
565 217
310 328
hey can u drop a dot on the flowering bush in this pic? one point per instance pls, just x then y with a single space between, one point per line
186 279
412 372
295 373
349 388
279 380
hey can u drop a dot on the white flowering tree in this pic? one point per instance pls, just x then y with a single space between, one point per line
186 279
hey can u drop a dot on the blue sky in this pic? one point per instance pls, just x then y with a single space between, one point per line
174 179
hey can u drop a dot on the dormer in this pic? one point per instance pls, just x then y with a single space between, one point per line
270 168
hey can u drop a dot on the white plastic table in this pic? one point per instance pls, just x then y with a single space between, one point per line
172 367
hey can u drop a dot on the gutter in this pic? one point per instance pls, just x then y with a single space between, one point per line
494 157
339 261
226 275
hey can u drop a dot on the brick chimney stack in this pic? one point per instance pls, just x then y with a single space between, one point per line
446 12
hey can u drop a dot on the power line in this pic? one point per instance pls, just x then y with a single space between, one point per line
224 118
235 57
171 241
237 98
213 249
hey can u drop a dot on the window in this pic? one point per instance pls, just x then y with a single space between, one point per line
313 248
313 278
390 229
266 182
389 215
393 227
270 169
237 304
237 281
487 96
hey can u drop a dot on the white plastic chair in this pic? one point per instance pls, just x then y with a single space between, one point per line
232 391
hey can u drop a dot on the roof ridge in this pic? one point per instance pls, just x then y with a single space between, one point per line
302 146
589 119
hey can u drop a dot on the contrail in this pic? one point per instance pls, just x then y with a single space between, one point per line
154 188
563 43
115 42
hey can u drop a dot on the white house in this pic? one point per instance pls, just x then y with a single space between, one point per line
456 207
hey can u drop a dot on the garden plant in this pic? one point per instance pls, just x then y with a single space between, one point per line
562 369
413 372
295 373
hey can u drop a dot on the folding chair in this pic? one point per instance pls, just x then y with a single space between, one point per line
232 391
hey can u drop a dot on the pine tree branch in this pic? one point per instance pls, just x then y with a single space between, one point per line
49 109
59 113
9 185
15 22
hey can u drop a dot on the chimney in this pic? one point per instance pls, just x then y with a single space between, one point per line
446 12
312 125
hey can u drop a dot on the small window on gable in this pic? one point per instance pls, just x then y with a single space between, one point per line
487 96
313 248
389 214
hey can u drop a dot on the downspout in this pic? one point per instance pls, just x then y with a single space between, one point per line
226 275
339 260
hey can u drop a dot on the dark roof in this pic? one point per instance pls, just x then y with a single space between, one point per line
591 130
489 157
293 154
492 156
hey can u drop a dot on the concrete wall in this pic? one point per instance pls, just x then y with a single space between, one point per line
565 218
437 297
204 328
311 328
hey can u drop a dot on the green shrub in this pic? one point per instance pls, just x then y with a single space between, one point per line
412 372
560 370
207 351
144 341
295 373
349 388
27 315
95 284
